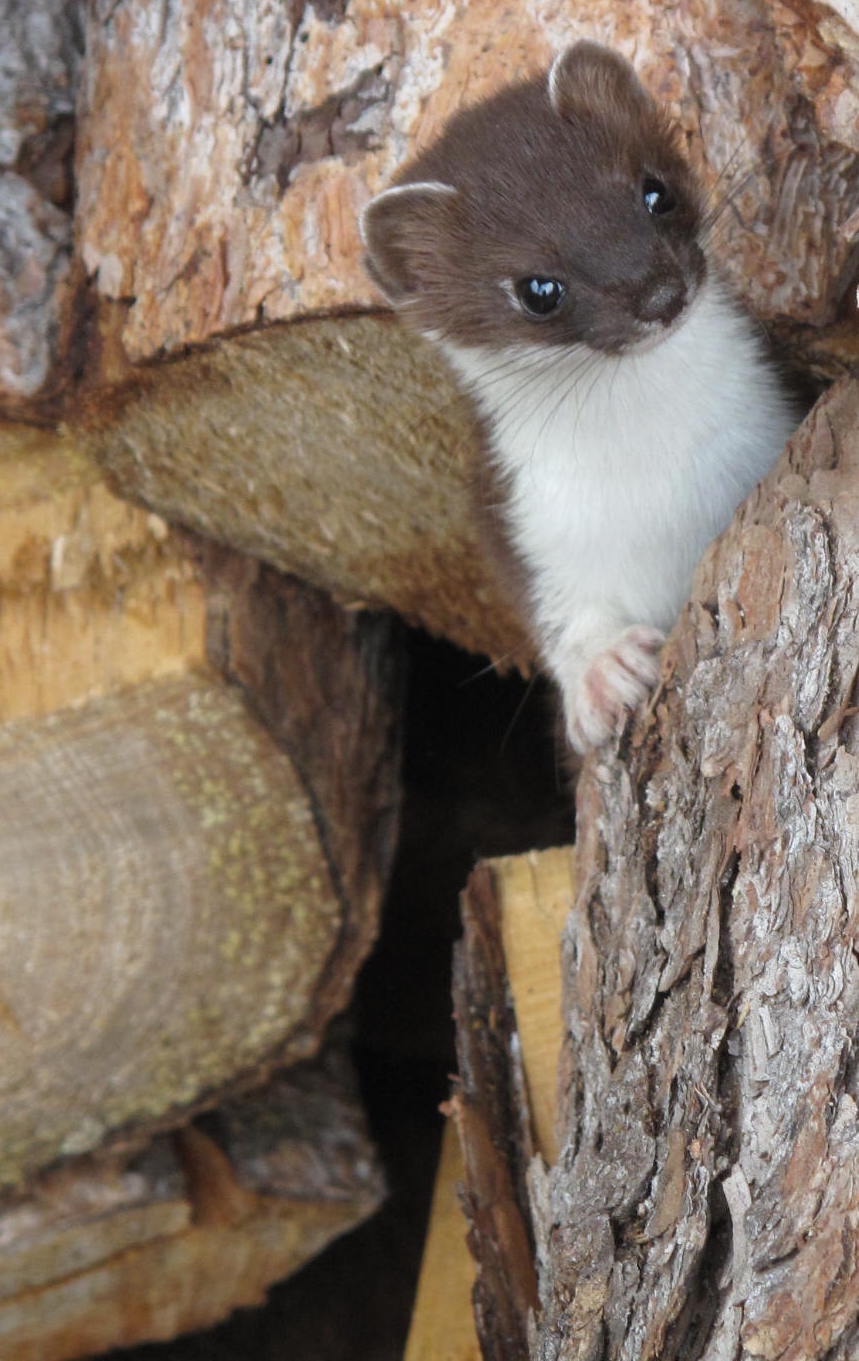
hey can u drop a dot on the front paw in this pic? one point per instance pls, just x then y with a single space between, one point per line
611 685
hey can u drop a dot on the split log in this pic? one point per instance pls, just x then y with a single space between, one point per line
95 594
495 1126
118 1249
704 1202
526 900
185 902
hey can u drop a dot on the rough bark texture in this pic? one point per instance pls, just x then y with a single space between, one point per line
41 56
705 1202
118 1249
490 1109
252 134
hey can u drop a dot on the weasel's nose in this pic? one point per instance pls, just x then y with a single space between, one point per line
663 301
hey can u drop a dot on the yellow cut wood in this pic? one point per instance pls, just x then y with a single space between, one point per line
442 1324
535 893
95 593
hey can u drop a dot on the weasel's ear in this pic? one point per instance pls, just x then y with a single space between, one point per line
399 228
588 75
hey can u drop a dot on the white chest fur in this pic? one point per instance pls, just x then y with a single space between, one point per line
620 470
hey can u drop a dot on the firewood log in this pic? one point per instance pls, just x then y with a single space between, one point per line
704 1198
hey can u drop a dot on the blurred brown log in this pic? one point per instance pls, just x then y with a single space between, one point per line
121 1248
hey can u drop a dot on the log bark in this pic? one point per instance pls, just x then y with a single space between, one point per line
42 53
704 1203
290 117
123 1248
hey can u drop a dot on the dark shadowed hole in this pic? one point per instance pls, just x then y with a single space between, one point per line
480 778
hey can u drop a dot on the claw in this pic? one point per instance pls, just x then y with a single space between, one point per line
614 683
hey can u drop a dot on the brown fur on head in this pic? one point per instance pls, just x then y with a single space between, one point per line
546 183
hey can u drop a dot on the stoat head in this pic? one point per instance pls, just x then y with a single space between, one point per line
560 211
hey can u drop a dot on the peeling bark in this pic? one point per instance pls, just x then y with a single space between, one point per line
712 979
38 77
705 1203
254 133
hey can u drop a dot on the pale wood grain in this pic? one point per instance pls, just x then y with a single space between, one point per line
442 1327
535 893
534 897
95 593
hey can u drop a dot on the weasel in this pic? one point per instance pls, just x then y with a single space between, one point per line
552 242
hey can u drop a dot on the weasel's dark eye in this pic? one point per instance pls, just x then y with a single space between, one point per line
658 198
539 296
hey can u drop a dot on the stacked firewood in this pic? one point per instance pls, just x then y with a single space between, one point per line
222 466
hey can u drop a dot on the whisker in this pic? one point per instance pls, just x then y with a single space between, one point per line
574 378
511 363
490 668
518 714
717 209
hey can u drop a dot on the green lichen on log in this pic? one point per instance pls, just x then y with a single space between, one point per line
166 913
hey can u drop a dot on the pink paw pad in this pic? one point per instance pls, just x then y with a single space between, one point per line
615 681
